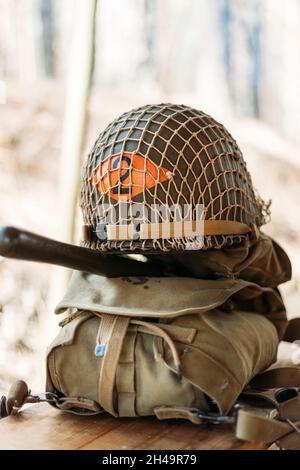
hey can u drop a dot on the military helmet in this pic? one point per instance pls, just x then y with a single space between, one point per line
167 177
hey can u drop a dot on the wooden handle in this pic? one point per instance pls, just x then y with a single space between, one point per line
20 244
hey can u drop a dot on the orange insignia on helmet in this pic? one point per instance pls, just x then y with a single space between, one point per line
126 175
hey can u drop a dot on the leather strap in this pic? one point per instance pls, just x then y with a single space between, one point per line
176 333
176 412
282 429
111 336
292 332
286 400
78 406
257 428
157 331
277 378
285 429
290 408
188 229
147 231
227 227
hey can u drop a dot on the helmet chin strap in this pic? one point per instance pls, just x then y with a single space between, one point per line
167 230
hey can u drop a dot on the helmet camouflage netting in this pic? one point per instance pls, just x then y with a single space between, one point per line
169 155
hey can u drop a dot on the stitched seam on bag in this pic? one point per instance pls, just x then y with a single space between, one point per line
57 379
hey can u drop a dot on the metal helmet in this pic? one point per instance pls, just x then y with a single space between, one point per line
155 160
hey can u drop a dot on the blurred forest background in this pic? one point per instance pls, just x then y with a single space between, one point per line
238 60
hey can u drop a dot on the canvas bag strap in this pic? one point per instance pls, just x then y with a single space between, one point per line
258 428
278 386
277 378
111 335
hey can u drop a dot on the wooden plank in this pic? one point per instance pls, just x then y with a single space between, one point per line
43 427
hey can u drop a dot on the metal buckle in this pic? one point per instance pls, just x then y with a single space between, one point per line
47 397
215 418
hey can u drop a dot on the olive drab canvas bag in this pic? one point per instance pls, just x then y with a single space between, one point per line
191 328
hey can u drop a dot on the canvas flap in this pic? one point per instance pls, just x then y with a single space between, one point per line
150 297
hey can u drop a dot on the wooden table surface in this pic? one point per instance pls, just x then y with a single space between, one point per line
42 427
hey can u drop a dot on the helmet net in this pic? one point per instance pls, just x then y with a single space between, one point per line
171 155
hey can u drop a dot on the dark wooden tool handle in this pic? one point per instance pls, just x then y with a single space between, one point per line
20 244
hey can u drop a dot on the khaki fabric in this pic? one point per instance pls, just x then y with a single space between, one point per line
170 297
261 261
223 344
